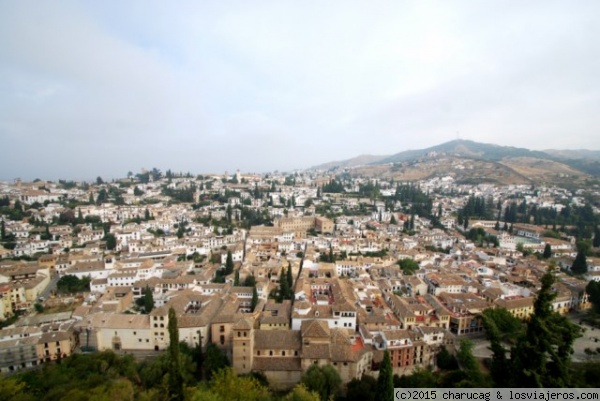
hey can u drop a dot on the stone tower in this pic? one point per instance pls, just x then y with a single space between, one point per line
243 345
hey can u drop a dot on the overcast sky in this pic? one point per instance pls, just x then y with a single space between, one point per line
92 88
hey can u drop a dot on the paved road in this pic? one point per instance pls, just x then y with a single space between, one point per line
51 287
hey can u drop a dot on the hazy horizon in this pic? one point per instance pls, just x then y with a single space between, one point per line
102 88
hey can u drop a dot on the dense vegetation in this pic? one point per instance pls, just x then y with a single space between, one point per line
72 284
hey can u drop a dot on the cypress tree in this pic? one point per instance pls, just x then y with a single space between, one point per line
229 264
547 251
175 373
148 300
236 279
385 381
254 299
596 242
580 264
284 289
290 278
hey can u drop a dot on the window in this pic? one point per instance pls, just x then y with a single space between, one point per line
222 340
282 353
271 353
222 329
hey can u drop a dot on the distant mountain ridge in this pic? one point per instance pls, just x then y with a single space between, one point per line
574 153
586 161
353 162
467 148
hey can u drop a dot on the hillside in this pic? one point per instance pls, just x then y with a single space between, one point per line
472 162
467 148
574 154
353 162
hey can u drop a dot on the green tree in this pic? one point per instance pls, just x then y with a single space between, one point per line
284 287
148 300
445 360
13 389
542 357
580 264
254 299
111 241
420 378
175 382
324 380
547 251
250 281
198 357
236 278
492 320
137 191
228 264
227 385
214 361
510 328
180 230
102 197
408 266
301 393
363 389
469 365
385 382
596 241
593 290
70 284
290 278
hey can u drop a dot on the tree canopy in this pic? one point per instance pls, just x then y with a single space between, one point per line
408 266
385 382
324 380
541 356
70 284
